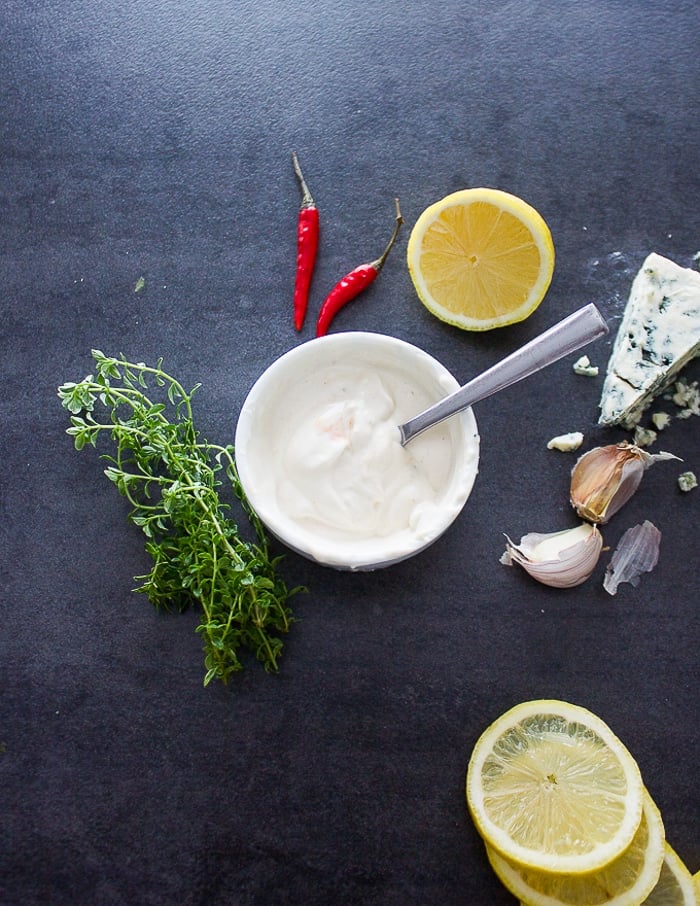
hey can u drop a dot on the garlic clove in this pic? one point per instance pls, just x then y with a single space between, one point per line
604 479
559 559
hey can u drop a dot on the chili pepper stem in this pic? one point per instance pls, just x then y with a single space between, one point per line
307 200
378 264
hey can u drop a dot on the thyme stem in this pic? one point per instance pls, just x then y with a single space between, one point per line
170 478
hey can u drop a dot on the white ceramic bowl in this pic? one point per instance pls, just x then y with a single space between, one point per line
360 520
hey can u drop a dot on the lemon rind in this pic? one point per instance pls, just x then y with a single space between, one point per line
687 883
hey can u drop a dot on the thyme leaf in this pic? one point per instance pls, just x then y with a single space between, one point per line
170 476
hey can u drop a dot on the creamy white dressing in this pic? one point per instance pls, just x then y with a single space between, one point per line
341 466
324 466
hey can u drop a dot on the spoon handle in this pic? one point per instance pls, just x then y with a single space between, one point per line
566 336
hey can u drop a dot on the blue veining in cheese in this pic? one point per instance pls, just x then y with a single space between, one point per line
659 334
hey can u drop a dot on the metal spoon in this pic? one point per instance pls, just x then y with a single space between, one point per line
566 336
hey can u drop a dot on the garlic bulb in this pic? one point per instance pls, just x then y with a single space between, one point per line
560 559
605 478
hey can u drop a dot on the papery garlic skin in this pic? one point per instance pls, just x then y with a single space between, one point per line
637 552
604 479
559 559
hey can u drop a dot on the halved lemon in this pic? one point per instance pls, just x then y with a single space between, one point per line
626 881
481 258
550 787
676 886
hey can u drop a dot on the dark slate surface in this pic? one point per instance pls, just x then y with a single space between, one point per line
152 140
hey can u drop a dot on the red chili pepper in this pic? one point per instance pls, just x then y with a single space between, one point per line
307 244
353 283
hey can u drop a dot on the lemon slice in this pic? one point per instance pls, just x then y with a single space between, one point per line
626 881
481 258
550 787
676 886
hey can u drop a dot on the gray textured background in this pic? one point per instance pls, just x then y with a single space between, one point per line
153 139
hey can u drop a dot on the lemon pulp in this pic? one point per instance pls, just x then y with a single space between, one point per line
626 881
481 258
550 787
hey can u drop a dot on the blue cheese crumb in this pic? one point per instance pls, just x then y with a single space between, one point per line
644 437
661 420
566 443
583 366
687 398
687 481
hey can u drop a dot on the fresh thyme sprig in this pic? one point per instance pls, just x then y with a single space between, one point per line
170 476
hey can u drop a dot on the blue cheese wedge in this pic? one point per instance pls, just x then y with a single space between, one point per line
659 334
